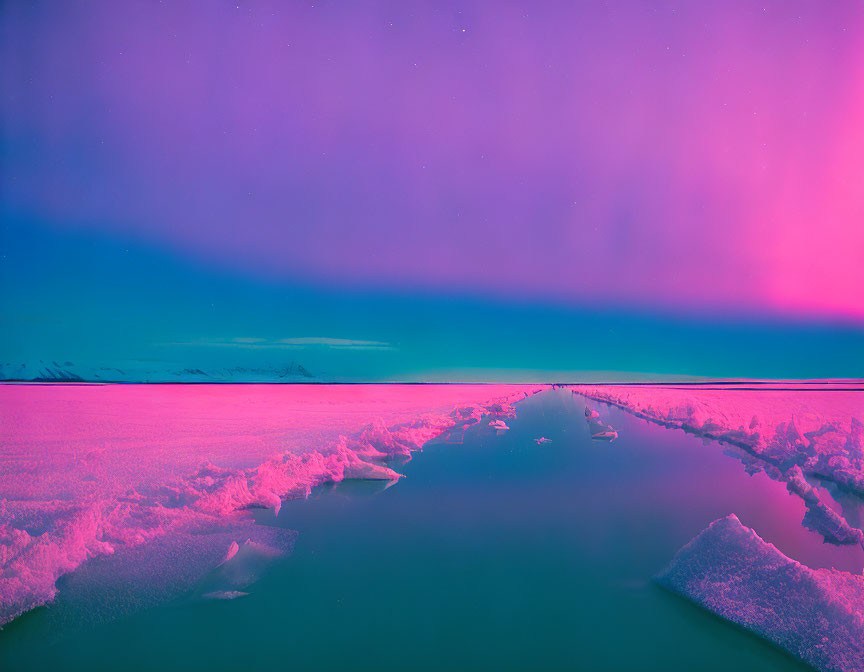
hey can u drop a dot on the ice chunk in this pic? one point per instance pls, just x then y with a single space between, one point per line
820 517
542 440
232 551
599 429
503 408
500 425
814 614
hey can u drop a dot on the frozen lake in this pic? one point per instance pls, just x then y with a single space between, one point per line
495 552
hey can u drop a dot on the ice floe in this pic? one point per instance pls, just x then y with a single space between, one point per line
820 517
814 614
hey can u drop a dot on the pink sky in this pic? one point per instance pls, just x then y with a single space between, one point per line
697 157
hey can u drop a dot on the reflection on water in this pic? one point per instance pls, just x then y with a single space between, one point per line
494 552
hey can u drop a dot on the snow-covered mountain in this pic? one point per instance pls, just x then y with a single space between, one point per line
69 372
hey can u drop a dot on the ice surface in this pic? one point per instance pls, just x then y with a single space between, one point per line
224 595
792 431
815 614
181 563
128 478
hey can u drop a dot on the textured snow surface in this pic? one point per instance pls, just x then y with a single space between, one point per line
816 615
146 472
791 434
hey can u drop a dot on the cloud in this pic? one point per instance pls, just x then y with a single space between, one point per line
347 343
296 343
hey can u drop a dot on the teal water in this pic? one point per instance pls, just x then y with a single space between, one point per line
494 553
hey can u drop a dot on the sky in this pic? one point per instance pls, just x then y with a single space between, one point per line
435 190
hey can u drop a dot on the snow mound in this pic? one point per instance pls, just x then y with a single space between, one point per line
814 614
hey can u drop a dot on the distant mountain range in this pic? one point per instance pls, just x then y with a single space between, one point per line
69 372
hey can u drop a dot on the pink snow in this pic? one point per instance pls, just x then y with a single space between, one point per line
85 470
815 428
775 422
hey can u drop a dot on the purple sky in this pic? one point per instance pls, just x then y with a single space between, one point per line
694 156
